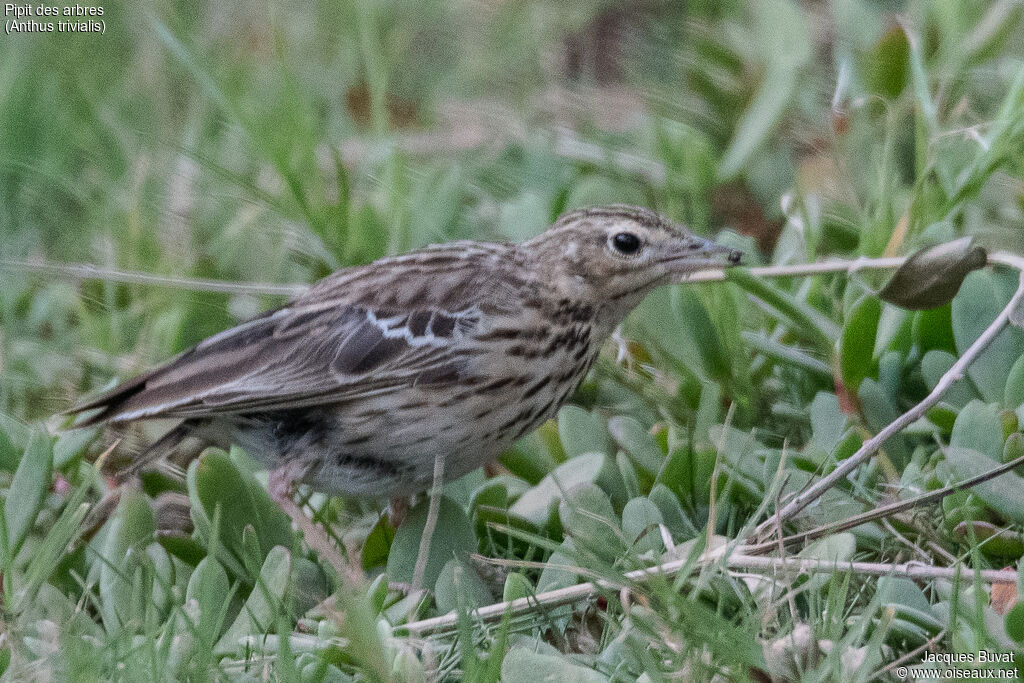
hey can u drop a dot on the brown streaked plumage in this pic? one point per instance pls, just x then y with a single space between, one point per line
457 349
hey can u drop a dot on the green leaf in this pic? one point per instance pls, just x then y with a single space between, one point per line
837 548
979 427
878 412
516 586
981 299
453 537
937 363
640 520
589 519
1014 390
28 489
672 513
214 480
631 437
535 505
933 329
456 579
132 529
264 603
858 342
1014 622
828 422
582 432
70 445
1001 494
932 276
557 573
378 544
521 664
210 588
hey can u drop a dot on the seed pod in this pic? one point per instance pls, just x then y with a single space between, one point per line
932 276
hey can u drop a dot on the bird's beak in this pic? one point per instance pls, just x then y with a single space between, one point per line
696 253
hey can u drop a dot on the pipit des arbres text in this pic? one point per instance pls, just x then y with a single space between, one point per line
445 354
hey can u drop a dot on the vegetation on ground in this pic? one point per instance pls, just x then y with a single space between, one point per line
208 144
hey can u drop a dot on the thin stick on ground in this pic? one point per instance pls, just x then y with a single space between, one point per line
869 447
741 562
885 510
428 529
87 271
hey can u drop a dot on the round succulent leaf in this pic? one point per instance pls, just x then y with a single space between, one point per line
1013 395
557 573
994 541
1001 494
309 584
878 409
981 299
131 530
588 517
675 518
887 65
264 604
931 277
979 427
458 583
521 664
932 330
516 586
1014 622
582 432
631 437
377 545
1014 448
453 537
71 444
536 504
934 365
163 576
215 480
640 520
628 475
209 588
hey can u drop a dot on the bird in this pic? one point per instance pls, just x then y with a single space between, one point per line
357 386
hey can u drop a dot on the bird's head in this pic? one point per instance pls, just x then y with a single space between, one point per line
615 255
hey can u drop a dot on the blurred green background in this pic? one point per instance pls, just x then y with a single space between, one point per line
276 143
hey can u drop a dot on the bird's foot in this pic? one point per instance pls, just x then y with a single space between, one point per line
280 487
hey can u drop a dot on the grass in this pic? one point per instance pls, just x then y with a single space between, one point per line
211 141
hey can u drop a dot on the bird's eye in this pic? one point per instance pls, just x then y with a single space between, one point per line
626 243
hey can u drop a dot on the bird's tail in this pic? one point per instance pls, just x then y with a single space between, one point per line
166 455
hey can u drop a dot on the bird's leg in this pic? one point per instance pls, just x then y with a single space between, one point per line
398 509
428 529
279 486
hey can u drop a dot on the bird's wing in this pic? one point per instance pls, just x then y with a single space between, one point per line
361 332
302 354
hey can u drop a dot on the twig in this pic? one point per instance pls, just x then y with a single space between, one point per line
86 271
813 493
886 510
910 656
751 563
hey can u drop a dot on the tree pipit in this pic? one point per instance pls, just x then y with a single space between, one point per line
382 376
